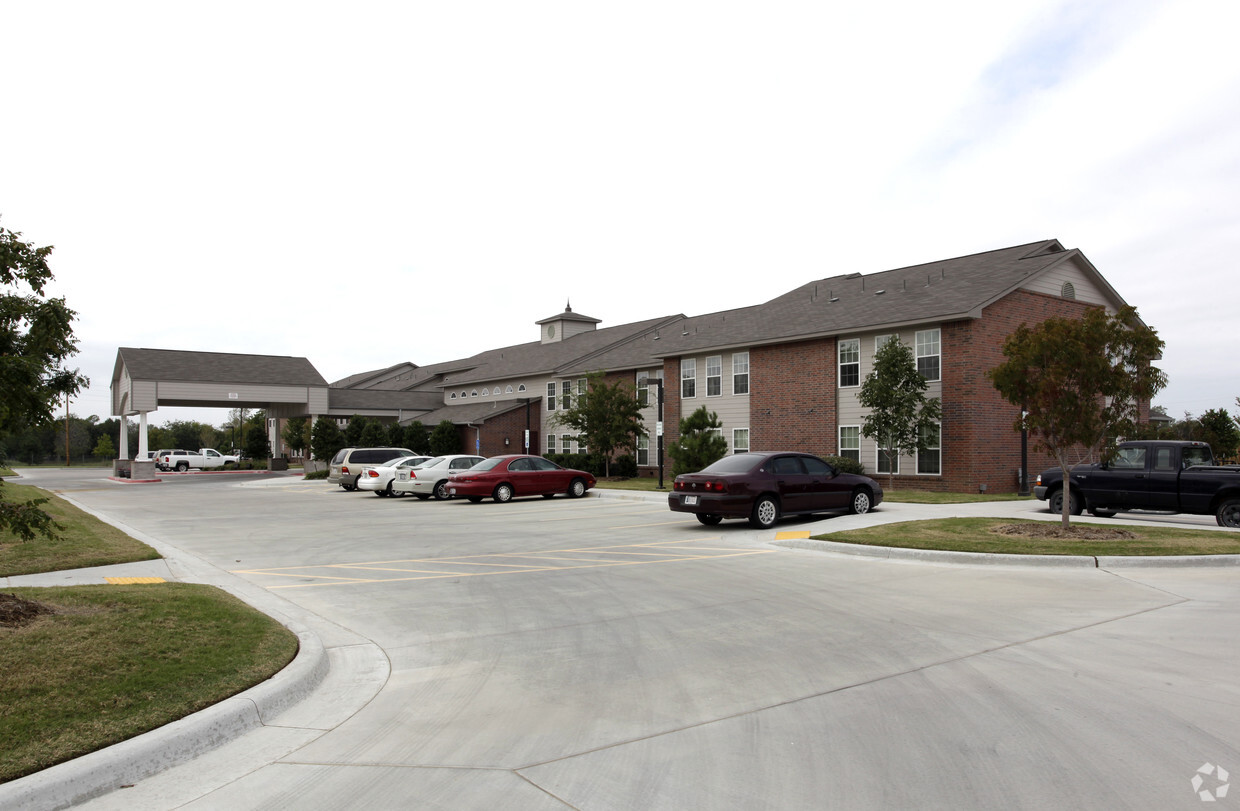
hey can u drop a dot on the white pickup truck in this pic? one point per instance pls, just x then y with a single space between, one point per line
203 459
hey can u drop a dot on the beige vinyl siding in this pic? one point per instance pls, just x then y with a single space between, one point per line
849 407
1051 283
732 409
220 392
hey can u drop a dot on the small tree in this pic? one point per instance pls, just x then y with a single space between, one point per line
257 445
396 435
700 442
445 439
374 435
1220 431
36 340
900 416
295 434
1080 382
606 418
416 438
326 439
353 431
104 448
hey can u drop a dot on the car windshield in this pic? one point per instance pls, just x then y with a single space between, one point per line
740 463
436 462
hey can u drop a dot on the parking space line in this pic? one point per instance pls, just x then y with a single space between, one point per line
499 563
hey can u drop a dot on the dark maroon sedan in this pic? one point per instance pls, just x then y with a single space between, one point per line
765 486
506 477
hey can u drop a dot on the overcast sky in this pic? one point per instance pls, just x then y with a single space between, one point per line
368 183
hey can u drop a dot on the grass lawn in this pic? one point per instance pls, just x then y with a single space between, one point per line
112 662
85 540
979 535
83 667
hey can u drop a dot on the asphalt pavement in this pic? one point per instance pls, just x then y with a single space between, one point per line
820 675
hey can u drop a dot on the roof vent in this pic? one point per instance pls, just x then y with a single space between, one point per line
1068 291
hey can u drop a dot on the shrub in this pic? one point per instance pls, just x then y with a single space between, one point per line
846 465
317 474
625 466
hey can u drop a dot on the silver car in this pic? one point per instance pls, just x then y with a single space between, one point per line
431 477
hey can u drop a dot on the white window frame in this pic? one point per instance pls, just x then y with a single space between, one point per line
937 449
714 363
551 389
643 450
880 459
688 378
879 340
737 445
566 395
853 348
740 360
929 344
551 443
846 452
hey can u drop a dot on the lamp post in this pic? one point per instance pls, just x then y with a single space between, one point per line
1024 454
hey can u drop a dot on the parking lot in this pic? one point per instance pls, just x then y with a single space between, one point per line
605 653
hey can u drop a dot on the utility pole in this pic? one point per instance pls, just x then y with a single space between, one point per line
67 460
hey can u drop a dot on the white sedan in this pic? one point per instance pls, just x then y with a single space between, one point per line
378 478
431 477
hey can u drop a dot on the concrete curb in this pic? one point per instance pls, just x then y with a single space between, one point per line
941 556
127 762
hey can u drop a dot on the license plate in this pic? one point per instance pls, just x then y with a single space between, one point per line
404 477
690 500
452 491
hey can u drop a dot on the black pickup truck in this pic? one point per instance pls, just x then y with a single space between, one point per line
1153 475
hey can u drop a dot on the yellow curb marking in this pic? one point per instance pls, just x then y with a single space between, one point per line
133 581
791 536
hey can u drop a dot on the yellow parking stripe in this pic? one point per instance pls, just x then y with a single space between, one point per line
133 581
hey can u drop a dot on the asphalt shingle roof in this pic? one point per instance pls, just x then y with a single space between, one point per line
218 367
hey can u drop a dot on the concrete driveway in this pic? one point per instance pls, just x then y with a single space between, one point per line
605 653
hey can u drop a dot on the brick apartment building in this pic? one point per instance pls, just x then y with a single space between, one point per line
783 374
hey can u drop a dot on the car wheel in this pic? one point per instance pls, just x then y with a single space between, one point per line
861 502
765 513
182 467
503 493
474 499
441 490
1100 513
356 479
1074 503
709 519
576 488
1228 514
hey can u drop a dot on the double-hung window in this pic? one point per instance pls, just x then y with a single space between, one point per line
550 443
930 457
850 362
551 398
643 450
850 442
928 354
740 440
566 394
688 378
740 372
888 460
714 376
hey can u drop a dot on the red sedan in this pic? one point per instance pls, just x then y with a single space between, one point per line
505 477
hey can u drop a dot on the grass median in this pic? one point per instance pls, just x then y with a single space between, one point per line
83 667
1004 536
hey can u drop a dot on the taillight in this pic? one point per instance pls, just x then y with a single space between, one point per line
372 474
344 469
716 487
